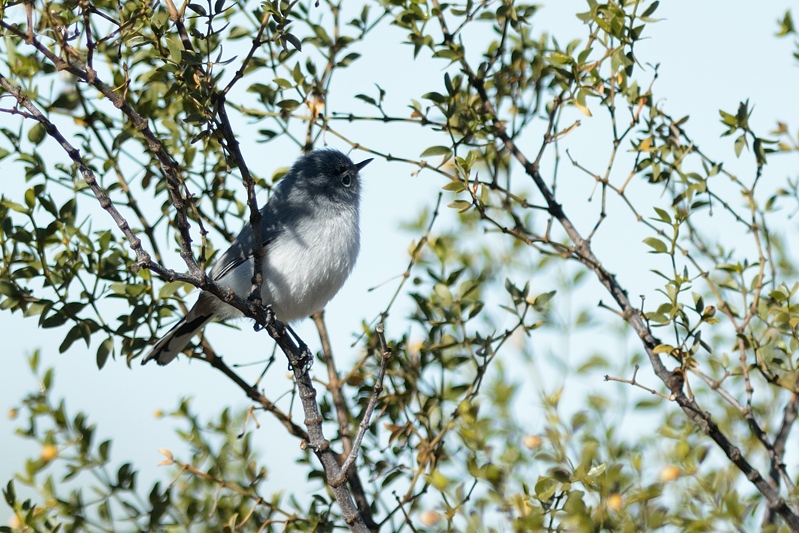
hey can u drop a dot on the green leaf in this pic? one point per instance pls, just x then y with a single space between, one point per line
103 450
295 42
454 186
54 320
460 205
446 53
47 379
37 133
137 40
664 215
657 245
169 289
434 97
740 142
595 472
651 9
595 362
288 105
437 150
560 59
10 494
238 32
175 49
197 8
699 302
14 206
74 334
30 198
545 488
348 59
190 57
105 349
269 134
367 99
786 25
663 348
542 299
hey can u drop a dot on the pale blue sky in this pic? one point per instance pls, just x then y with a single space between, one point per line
712 55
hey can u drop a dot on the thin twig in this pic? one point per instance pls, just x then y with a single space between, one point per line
385 356
254 394
247 492
639 385
258 248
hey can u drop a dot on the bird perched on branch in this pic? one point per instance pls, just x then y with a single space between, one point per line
310 236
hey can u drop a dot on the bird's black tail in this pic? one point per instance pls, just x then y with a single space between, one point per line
179 336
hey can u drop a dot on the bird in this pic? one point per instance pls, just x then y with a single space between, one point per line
311 238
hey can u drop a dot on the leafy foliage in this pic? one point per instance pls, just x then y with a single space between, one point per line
468 436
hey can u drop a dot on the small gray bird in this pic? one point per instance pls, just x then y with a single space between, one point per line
311 239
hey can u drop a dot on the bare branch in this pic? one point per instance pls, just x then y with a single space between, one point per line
258 249
298 361
343 416
634 383
255 395
385 354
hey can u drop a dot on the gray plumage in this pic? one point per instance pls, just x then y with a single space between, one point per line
310 232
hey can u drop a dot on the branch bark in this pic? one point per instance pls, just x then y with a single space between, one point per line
788 419
343 417
335 475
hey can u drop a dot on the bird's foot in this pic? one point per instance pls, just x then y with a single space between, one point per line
270 316
305 361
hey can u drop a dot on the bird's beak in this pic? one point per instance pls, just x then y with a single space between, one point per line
363 163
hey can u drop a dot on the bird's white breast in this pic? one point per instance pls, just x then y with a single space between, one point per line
307 264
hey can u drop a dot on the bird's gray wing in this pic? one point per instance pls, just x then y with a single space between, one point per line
241 249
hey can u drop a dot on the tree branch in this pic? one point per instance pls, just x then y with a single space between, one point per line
254 394
199 278
788 419
343 416
299 361
585 255
385 354
156 147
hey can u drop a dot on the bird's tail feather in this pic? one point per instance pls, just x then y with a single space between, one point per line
171 344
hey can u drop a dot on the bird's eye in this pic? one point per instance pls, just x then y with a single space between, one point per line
345 179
